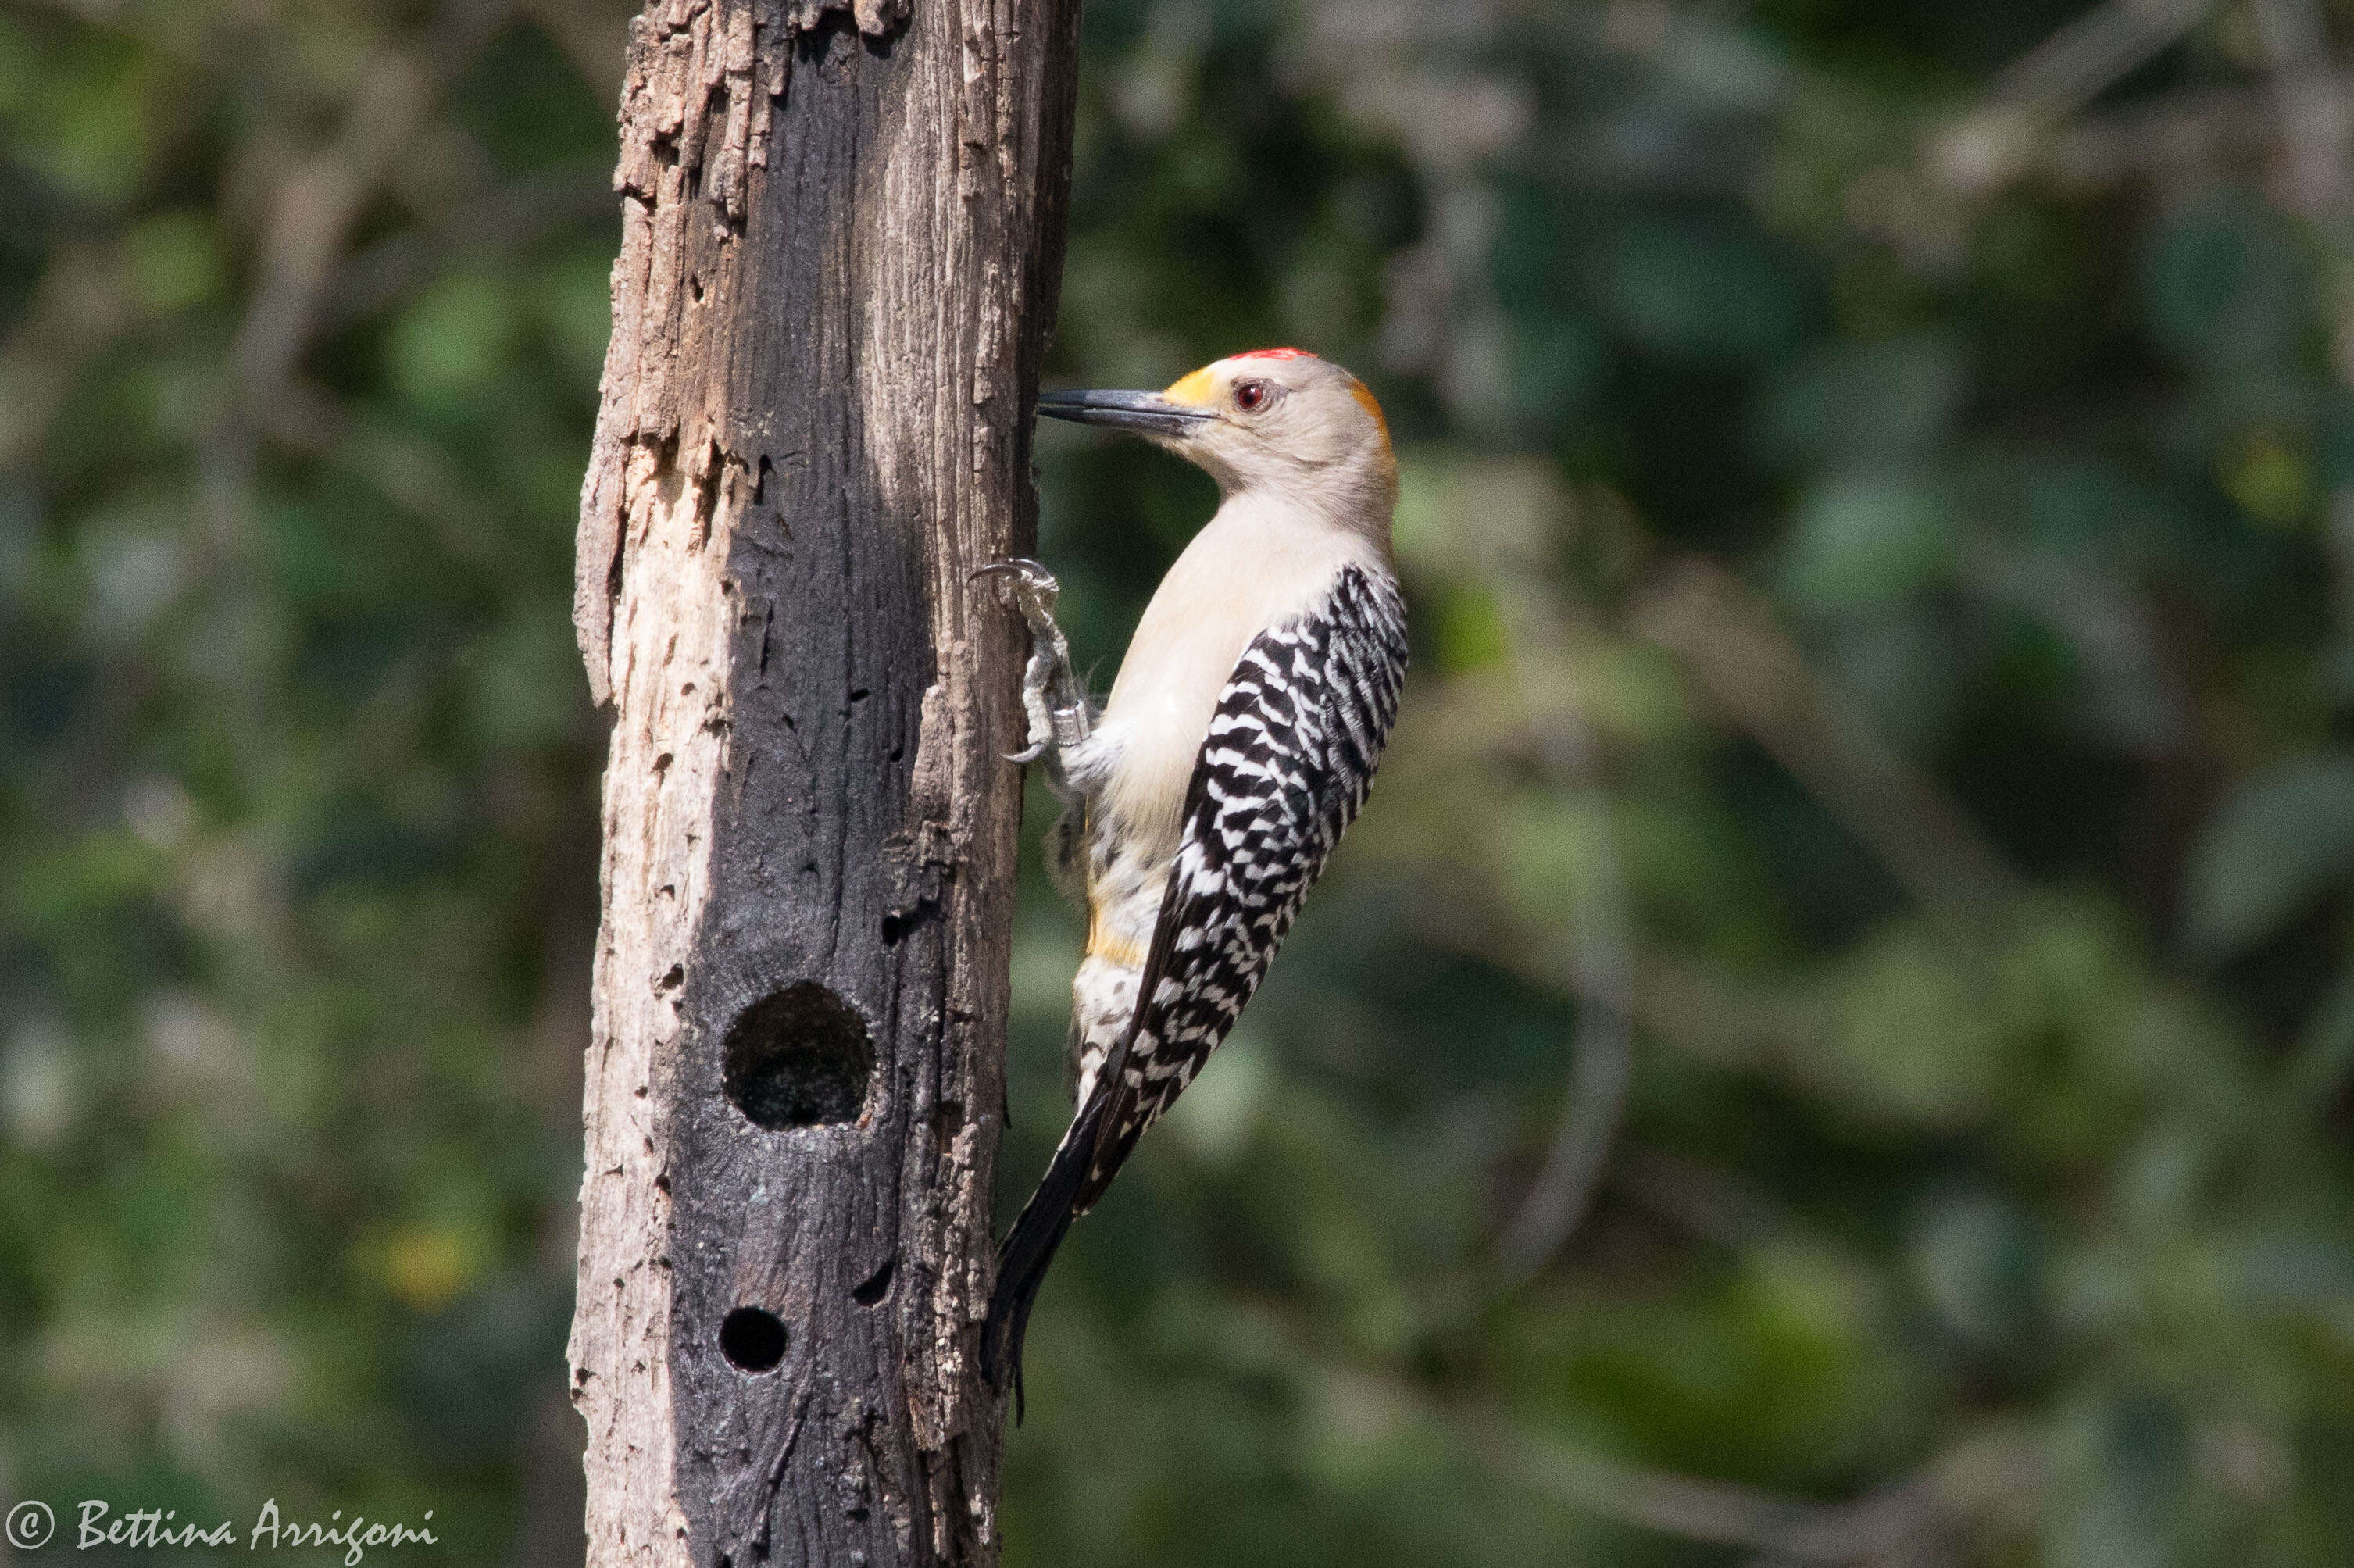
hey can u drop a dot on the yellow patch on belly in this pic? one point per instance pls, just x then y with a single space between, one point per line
1102 944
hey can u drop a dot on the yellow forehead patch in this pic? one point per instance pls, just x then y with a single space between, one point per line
1364 397
1198 390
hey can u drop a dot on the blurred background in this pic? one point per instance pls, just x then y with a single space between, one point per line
1830 1045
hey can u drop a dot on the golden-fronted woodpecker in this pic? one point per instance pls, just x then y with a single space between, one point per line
1239 741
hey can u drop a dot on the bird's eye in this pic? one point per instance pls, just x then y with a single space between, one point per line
1250 397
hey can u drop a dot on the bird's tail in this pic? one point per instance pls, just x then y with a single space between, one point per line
1030 1246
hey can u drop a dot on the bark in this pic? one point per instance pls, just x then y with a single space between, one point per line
842 232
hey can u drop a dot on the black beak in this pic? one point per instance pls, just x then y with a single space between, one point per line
1147 413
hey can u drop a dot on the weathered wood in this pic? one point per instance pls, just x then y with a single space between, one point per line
842 232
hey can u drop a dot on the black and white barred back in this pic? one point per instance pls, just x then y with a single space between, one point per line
1287 762
1287 765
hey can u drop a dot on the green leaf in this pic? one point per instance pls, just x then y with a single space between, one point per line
1865 539
2275 845
2226 286
453 341
1886 402
174 261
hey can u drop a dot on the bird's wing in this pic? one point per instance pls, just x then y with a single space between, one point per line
1289 757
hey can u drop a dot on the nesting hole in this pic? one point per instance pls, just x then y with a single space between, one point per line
798 1057
752 1338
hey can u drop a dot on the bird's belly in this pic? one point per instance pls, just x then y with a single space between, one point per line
1125 889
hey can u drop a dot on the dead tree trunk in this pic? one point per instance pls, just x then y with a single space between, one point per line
842 237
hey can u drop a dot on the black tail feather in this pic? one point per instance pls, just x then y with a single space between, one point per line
1029 1249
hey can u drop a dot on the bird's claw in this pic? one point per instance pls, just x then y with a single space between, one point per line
1029 586
1032 589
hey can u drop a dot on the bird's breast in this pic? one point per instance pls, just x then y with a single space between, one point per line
1255 565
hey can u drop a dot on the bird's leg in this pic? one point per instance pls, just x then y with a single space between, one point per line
1052 696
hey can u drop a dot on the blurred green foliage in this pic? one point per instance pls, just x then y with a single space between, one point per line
1975 845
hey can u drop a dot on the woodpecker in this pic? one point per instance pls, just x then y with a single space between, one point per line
1238 742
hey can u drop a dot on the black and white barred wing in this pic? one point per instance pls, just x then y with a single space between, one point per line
1287 762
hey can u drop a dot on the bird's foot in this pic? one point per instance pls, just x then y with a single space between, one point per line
1051 695
1029 588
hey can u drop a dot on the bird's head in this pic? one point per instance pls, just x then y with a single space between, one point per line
1278 421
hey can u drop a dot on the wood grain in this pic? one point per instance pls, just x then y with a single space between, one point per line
840 244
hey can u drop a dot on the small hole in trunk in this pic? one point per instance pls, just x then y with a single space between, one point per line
752 1338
